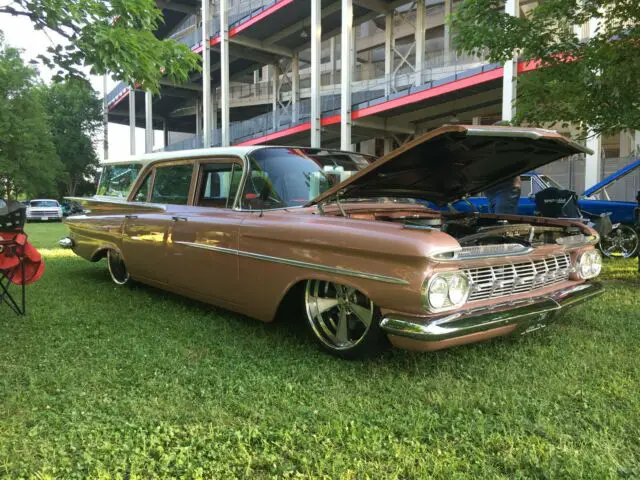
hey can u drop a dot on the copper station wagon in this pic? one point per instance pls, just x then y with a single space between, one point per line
350 240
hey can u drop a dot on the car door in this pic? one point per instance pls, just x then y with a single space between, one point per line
167 185
202 242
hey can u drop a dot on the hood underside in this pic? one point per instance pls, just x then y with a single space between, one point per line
450 162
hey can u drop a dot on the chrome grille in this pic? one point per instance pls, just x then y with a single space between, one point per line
514 278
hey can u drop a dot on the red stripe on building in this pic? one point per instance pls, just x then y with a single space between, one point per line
275 135
330 120
429 93
265 13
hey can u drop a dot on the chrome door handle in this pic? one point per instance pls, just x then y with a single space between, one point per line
131 217
179 219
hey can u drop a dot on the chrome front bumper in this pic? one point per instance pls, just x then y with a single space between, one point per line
65 242
524 316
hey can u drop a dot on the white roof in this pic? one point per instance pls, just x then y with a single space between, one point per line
180 154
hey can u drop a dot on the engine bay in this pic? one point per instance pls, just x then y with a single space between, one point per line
474 229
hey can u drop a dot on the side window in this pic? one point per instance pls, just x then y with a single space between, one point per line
171 184
141 194
219 184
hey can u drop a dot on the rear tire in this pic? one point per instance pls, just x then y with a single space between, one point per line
117 268
343 321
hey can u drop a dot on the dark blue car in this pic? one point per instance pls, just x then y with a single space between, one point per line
622 242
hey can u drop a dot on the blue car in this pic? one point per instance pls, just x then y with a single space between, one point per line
622 242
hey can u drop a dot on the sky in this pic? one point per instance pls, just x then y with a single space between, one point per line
19 33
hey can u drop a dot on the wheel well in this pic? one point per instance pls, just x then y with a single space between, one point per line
99 255
291 302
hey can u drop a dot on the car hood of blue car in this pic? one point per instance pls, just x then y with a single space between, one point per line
612 178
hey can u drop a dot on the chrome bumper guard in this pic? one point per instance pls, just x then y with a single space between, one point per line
65 242
526 316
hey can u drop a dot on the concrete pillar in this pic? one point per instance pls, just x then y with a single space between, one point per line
627 146
593 162
510 73
165 132
295 87
420 42
388 145
388 52
332 61
636 143
206 73
198 117
214 118
476 121
224 72
447 30
132 120
148 122
275 81
345 76
316 34
105 119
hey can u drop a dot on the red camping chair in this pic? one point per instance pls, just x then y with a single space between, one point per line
20 263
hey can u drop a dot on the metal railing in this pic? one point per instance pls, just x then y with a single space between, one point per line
192 35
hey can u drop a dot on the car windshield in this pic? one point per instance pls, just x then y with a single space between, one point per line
116 180
290 177
43 203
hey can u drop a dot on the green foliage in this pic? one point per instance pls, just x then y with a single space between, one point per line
114 36
593 82
28 160
106 382
75 116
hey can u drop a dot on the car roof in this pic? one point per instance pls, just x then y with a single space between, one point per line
203 152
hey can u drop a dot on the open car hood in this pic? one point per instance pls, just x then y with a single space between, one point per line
623 172
450 162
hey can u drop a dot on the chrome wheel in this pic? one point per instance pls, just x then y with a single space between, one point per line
117 268
339 316
622 242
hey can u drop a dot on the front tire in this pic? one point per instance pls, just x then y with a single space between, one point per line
117 268
343 321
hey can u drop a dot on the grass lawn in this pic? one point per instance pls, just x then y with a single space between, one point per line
106 382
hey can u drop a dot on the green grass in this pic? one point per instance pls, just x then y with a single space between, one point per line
106 382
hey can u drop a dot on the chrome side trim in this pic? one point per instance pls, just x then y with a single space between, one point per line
297 263
484 251
535 312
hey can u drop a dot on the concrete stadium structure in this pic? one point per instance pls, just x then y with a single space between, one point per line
363 75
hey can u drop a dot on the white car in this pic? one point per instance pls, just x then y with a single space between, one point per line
44 209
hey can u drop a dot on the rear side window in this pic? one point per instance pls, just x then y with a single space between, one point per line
171 184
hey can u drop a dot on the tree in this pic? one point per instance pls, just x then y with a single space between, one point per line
592 82
28 160
75 115
114 36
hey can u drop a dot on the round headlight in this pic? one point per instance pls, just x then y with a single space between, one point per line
458 288
585 265
438 292
596 263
